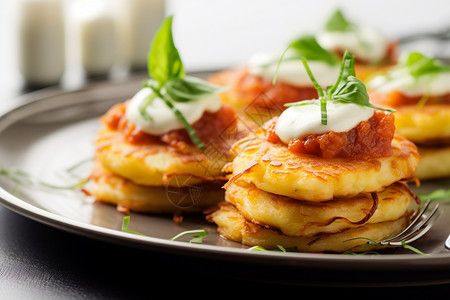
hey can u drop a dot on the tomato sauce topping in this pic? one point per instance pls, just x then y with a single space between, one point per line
208 128
369 139
256 91
397 99
278 94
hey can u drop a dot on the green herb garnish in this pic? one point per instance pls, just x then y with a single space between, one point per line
372 242
169 82
279 249
199 234
337 22
125 222
74 186
22 178
418 65
197 238
307 47
413 249
436 195
347 89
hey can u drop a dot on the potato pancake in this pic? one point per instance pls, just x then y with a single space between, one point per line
157 164
128 196
305 218
429 124
274 169
233 226
435 163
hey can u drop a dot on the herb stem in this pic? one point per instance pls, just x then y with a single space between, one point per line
179 115
274 80
320 92
125 222
70 187
143 107
313 79
197 239
323 111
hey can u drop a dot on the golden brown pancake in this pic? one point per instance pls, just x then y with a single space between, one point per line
429 124
128 196
435 162
274 169
233 226
305 218
158 164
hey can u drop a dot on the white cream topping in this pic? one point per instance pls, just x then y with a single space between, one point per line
292 71
163 118
400 80
298 121
363 42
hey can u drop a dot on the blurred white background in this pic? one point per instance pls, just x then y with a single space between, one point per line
216 34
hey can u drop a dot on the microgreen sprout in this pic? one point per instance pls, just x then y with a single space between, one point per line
125 222
372 242
199 234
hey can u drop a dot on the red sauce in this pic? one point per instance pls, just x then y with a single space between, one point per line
397 99
254 91
208 128
277 94
369 139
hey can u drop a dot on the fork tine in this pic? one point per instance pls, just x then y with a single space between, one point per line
419 215
426 226
416 231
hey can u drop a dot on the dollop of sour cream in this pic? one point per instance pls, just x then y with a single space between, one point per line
292 71
430 84
163 118
363 42
298 121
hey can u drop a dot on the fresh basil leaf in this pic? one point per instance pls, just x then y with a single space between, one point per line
337 22
190 89
347 69
419 64
348 88
352 90
308 47
164 61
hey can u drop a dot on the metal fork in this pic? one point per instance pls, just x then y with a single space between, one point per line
418 227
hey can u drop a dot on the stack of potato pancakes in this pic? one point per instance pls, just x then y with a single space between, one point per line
323 176
278 198
163 150
140 172
418 88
